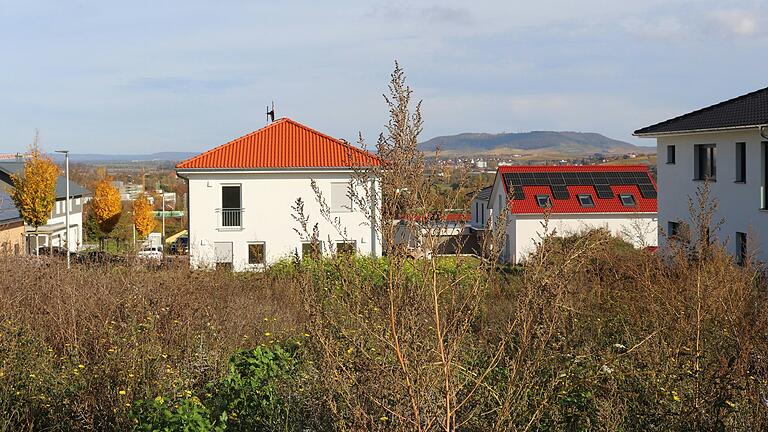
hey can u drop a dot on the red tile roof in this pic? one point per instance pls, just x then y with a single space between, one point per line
571 205
283 144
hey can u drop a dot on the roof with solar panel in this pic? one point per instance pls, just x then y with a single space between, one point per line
564 189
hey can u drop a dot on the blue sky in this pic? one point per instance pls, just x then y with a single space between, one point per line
147 76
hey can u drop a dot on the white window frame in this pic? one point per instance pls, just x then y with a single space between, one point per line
342 209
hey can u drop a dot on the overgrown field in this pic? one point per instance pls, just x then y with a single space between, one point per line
590 335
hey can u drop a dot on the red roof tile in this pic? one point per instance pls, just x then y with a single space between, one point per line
571 205
282 144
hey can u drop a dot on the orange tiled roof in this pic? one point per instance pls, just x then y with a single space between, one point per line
283 144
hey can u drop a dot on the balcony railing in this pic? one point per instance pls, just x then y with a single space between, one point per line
230 218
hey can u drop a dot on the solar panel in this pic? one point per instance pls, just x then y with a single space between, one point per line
558 182
647 191
559 192
518 192
604 191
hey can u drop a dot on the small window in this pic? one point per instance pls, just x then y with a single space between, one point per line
671 154
256 253
340 199
586 200
627 200
543 201
741 248
346 248
741 162
311 250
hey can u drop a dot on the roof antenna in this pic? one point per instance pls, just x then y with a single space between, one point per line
271 113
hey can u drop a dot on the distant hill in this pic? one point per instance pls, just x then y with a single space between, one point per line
536 142
162 156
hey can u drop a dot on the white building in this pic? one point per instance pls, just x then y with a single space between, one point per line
243 195
727 144
619 198
479 210
53 233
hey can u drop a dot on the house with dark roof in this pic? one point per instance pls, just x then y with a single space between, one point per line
11 227
53 233
243 198
726 146
534 200
478 209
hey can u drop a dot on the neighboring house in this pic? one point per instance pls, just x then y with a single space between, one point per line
11 227
727 144
441 234
478 209
571 199
53 232
242 197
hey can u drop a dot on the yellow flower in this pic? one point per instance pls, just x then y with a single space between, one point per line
121 392
159 400
267 334
81 366
383 418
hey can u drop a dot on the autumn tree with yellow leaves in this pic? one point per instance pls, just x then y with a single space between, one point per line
143 217
34 190
106 205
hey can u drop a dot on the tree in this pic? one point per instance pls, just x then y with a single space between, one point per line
143 217
106 205
34 191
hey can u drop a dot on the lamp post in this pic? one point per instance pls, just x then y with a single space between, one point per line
66 201
162 237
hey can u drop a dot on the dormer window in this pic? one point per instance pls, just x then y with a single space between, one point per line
586 200
627 200
543 201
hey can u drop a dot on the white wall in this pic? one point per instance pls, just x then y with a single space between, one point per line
639 229
267 198
739 203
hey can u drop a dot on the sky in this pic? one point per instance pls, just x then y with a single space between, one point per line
147 76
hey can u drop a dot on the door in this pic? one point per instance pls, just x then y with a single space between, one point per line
231 206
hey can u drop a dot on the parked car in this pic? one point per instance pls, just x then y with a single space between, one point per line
151 253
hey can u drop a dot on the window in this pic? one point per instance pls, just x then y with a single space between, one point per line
671 154
586 200
673 229
705 167
346 248
340 199
256 253
741 162
627 200
311 250
764 194
477 212
222 253
482 214
543 201
741 248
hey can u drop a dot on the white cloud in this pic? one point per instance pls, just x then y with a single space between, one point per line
658 28
736 22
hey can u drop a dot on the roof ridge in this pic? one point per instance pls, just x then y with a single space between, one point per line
186 161
338 140
700 110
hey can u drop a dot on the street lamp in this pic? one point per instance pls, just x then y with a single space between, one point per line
66 201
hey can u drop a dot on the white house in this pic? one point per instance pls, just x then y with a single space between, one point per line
620 198
53 232
243 194
727 145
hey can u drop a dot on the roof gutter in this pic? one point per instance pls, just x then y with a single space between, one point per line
698 131
762 131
